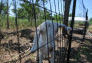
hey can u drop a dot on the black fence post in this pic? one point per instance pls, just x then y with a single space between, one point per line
71 32
86 26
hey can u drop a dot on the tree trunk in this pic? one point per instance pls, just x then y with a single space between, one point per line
66 14
7 15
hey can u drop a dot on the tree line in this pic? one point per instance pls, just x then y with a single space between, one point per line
26 10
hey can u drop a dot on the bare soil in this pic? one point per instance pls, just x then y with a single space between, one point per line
9 47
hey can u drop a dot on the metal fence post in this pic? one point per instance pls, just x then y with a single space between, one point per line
86 26
72 25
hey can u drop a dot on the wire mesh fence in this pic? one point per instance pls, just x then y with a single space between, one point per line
78 25
81 18
21 22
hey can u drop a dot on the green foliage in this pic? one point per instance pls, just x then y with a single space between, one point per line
22 23
21 13
90 21
58 17
45 14
70 15
27 10
3 8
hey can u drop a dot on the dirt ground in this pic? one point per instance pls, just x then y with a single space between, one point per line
9 47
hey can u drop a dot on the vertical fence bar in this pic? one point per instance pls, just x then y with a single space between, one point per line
60 52
46 26
53 29
16 24
34 15
71 32
57 25
86 26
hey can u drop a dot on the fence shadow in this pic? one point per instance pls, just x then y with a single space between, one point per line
83 53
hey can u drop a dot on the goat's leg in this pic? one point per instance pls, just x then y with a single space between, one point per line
52 59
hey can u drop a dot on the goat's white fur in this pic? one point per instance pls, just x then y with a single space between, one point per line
41 36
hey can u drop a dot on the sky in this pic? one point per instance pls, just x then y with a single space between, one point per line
79 11
88 4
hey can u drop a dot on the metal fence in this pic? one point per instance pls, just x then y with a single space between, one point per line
18 51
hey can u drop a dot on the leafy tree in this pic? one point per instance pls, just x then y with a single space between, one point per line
46 14
22 13
3 8
26 10
58 17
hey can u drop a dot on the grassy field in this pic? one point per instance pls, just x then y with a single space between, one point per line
22 23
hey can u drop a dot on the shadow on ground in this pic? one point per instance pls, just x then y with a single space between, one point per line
14 46
26 33
82 54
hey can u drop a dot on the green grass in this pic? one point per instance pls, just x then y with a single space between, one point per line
90 22
22 23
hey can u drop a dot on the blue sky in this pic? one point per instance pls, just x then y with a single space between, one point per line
87 3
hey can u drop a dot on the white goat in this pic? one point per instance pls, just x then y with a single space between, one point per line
42 31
